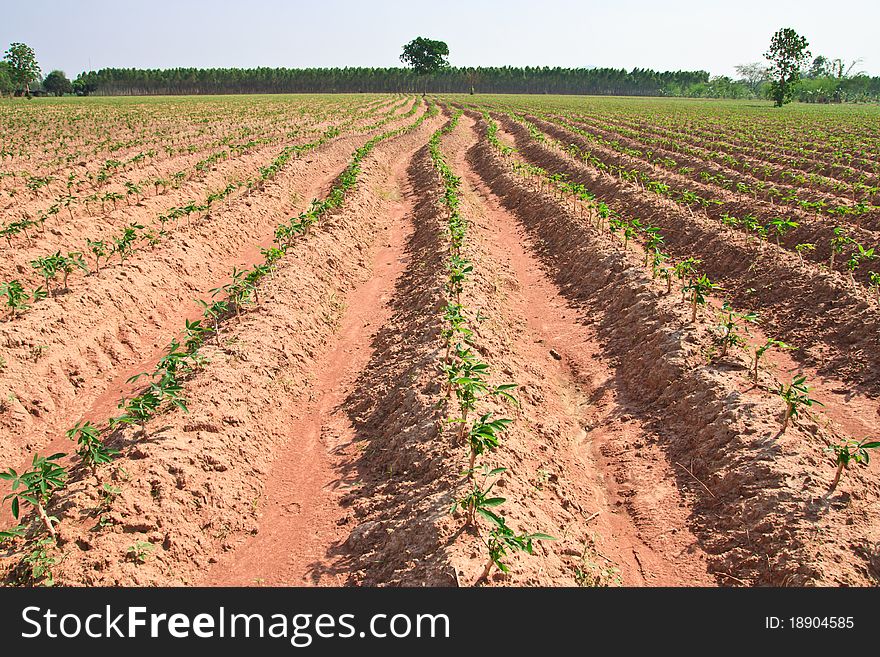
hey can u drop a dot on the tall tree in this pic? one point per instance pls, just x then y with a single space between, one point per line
57 83
788 54
426 57
23 63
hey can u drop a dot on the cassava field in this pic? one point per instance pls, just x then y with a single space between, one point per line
264 339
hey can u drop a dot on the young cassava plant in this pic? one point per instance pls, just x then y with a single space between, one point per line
850 451
796 396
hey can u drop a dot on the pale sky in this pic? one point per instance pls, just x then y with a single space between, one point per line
662 35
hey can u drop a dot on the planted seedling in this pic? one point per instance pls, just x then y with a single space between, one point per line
699 289
90 448
502 540
780 226
855 259
140 551
802 248
124 244
730 326
850 451
39 562
35 487
838 243
684 271
48 267
479 500
760 351
874 282
66 265
484 436
99 250
796 397
16 297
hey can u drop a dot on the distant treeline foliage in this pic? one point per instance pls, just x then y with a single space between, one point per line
531 80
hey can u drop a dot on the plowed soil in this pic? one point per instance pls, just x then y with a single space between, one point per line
316 448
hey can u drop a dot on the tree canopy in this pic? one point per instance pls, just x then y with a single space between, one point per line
23 65
425 56
57 83
788 54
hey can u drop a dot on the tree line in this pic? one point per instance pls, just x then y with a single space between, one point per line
790 77
533 80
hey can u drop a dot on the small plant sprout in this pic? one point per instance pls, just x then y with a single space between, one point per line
873 281
99 250
730 326
140 551
48 267
124 244
66 265
15 297
503 540
36 487
780 226
802 248
90 447
484 436
855 259
850 451
40 562
479 499
699 289
796 397
838 243
760 351
684 271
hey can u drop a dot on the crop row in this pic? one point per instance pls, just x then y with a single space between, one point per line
467 379
47 476
17 298
732 330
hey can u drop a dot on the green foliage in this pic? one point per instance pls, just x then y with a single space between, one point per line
788 53
699 289
39 563
425 56
35 487
796 397
140 551
503 540
15 296
731 324
761 350
479 499
23 65
57 83
90 448
849 451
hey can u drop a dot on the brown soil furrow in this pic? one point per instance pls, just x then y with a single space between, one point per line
701 160
411 469
221 126
572 405
66 233
193 485
757 504
302 522
812 228
722 138
834 326
147 300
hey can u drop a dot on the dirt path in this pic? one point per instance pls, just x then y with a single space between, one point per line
302 519
646 539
